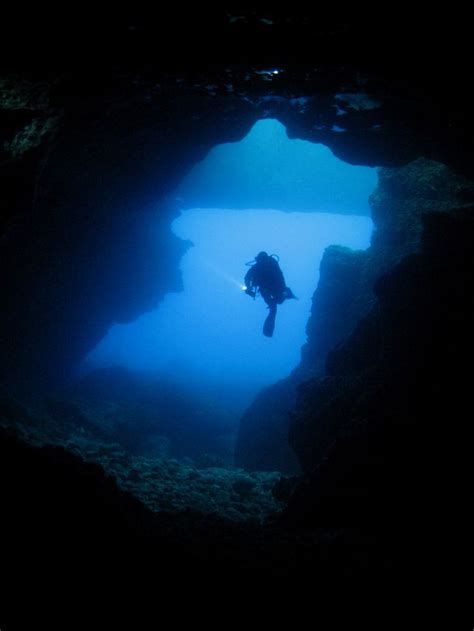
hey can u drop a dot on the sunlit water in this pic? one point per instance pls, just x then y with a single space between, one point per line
212 331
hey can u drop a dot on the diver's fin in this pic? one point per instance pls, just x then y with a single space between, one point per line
269 325
289 294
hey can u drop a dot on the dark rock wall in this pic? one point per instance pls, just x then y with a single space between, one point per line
93 245
345 291
392 392
344 296
262 441
332 313
27 124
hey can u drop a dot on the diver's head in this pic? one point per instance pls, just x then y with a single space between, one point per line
261 256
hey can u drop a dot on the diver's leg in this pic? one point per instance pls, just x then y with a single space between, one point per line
269 324
267 296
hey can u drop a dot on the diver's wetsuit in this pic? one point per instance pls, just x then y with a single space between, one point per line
267 276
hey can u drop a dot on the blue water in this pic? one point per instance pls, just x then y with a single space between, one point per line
267 170
211 333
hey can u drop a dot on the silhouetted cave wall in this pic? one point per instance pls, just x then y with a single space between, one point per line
262 441
376 435
344 296
96 248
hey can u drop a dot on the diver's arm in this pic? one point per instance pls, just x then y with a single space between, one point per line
248 280
249 283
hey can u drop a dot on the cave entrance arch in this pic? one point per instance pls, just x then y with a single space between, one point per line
266 192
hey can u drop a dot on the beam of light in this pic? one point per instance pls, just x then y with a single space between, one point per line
225 276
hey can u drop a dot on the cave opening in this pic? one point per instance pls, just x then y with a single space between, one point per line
202 351
210 334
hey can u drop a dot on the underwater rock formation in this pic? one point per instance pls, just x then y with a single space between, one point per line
369 434
262 442
164 484
345 290
343 297
98 239
168 445
151 414
66 517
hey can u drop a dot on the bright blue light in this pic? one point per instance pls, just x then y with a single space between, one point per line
268 170
213 329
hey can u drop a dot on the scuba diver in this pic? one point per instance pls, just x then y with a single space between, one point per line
266 276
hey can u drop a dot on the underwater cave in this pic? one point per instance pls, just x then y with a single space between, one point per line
141 407
265 192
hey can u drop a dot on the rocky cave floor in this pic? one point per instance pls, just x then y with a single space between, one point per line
74 499
205 485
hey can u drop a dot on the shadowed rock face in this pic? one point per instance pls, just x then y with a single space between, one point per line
370 434
262 442
344 296
65 521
